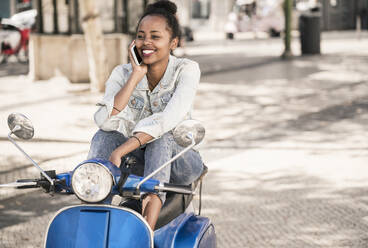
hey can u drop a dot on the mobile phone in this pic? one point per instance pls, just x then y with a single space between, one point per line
137 59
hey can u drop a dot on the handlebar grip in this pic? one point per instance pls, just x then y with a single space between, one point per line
43 183
181 189
28 187
31 186
173 185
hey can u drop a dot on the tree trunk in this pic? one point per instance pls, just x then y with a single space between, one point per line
55 17
287 40
93 35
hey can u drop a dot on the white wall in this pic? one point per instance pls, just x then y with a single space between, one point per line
52 55
184 11
219 11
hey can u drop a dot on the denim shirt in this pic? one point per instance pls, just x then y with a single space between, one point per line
153 112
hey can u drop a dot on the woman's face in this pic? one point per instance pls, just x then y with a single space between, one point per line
153 40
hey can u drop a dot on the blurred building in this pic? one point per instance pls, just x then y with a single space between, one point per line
335 14
10 7
210 14
340 14
57 46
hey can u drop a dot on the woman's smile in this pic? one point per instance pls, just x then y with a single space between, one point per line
147 52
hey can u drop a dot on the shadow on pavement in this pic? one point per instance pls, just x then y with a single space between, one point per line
213 64
320 123
35 102
283 209
23 208
13 69
248 70
284 101
49 140
330 115
14 168
33 211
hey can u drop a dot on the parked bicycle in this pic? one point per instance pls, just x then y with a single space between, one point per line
14 36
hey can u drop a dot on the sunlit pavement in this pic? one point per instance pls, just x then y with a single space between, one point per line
285 143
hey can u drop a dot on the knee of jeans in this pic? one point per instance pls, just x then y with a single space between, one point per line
94 151
100 146
166 138
186 178
164 141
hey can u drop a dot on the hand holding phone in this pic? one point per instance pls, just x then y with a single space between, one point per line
139 68
137 59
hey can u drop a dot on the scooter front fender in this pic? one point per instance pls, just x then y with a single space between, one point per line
98 226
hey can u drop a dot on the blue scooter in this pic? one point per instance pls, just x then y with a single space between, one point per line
97 223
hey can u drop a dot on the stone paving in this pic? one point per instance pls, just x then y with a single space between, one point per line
285 143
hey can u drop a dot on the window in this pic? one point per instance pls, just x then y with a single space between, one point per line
201 9
333 3
22 5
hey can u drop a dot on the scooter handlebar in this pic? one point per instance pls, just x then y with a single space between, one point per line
33 183
21 184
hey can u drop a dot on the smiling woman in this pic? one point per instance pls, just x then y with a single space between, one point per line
144 103
154 44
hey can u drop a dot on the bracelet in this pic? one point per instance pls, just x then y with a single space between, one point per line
116 109
140 144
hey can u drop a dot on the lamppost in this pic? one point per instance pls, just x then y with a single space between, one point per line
288 5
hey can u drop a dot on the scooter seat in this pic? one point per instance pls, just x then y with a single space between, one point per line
175 204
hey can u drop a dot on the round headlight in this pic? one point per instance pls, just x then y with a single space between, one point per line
92 182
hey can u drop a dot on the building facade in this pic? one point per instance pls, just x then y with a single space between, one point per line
58 45
342 14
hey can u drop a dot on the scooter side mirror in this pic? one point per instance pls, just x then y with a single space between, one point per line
187 129
21 126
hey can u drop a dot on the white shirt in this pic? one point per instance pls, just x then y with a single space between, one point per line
156 112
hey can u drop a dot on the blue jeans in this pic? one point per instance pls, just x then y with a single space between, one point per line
184 170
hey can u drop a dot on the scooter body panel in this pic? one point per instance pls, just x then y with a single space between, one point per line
98 226
187 230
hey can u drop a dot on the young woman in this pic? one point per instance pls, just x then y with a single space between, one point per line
143 103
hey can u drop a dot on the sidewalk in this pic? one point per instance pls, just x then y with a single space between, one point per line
285 144
288 147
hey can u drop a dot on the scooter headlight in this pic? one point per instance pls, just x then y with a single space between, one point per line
92 182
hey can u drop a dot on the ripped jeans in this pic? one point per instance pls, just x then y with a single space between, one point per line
184 170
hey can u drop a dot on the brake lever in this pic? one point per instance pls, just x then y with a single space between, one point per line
125 170
51 190
45 183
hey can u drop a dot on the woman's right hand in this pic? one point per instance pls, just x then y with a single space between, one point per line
140 70
115 158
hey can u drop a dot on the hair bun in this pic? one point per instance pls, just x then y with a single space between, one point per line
165 5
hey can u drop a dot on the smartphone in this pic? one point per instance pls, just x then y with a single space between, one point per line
137 59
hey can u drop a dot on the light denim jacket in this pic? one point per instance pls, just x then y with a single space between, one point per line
156 112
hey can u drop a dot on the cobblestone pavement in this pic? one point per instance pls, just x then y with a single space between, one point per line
285 145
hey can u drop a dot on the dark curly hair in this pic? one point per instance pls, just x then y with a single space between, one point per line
167 10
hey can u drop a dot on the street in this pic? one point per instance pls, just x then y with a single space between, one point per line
286 143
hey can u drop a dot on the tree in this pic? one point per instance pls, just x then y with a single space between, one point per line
93 34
